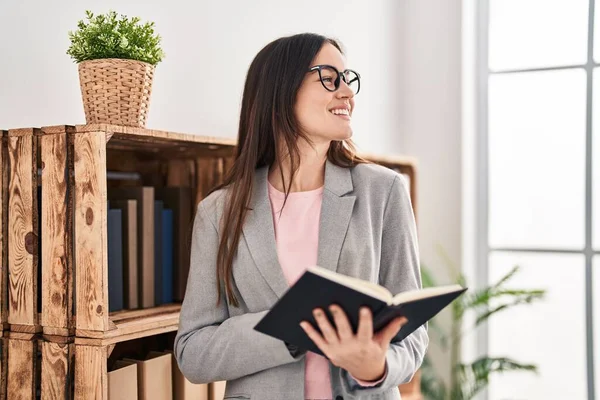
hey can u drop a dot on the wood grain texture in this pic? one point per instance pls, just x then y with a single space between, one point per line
22 227
21 369
3 367
180 173
218 169
205 177
90 231
134 324
91 374
57 339
4 169
56 231
155 134
20 335
228 164
57 370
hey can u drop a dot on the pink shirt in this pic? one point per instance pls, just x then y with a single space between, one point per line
297 238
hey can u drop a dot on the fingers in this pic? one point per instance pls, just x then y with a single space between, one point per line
344 329
387 334
365 325
328 331
314 335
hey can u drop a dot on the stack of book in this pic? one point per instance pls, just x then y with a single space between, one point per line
154 377
148 245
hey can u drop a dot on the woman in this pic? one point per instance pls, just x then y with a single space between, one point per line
297 196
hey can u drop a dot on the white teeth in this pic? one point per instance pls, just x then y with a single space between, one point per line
342 111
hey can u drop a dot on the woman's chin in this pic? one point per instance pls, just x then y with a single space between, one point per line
347 134
335 135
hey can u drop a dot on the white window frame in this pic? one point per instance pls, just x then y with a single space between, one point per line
476 248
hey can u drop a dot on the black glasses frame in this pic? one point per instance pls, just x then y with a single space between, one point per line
340 76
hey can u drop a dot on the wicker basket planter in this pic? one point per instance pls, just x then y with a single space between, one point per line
116 91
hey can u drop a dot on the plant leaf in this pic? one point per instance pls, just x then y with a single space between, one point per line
432 386
426 277
108 36
526 297
507 277
483 297
474 377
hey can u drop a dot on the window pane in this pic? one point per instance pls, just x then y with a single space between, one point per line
537 159
597 33
596 310
532 333
596 161
537 33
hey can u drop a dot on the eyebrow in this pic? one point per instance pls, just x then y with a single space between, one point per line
339 69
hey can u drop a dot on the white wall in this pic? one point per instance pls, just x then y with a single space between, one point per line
431 93
209 46
408 52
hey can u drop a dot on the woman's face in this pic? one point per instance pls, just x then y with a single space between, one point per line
317 109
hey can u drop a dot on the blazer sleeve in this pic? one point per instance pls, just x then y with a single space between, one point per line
399 271
210 345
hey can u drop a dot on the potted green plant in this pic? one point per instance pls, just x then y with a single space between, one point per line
468 379
117 59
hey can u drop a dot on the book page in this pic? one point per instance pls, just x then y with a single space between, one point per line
366 287
418 294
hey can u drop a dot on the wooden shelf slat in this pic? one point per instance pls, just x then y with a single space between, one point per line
156 135
133 324
159 144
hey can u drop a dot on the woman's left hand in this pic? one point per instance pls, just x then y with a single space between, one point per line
361 354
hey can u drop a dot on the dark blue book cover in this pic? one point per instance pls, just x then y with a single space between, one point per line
167 260
158 251
179 199
115 260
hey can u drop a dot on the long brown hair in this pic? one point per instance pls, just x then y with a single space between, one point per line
268 124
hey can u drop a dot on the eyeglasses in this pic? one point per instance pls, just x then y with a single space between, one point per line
331 78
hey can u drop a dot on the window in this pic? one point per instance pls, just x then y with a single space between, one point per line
538 206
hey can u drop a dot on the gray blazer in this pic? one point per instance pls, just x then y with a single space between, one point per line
367 230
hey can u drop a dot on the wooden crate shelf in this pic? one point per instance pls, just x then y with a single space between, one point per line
54 299
74 165
133 324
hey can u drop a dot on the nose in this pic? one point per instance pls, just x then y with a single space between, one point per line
344 91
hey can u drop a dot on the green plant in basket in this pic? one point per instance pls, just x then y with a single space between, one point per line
468 379
110 36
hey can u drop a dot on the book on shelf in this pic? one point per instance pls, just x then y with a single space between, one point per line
115 260
166 288
163 253
158 251
217 390
319 288
179 199
130 261
122 381
144 196
154 376
183 389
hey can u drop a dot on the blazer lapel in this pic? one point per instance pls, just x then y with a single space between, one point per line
259 233
336 211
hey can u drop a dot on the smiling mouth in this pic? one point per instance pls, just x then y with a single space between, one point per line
341 112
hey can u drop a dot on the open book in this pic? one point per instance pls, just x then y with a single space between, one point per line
319 288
